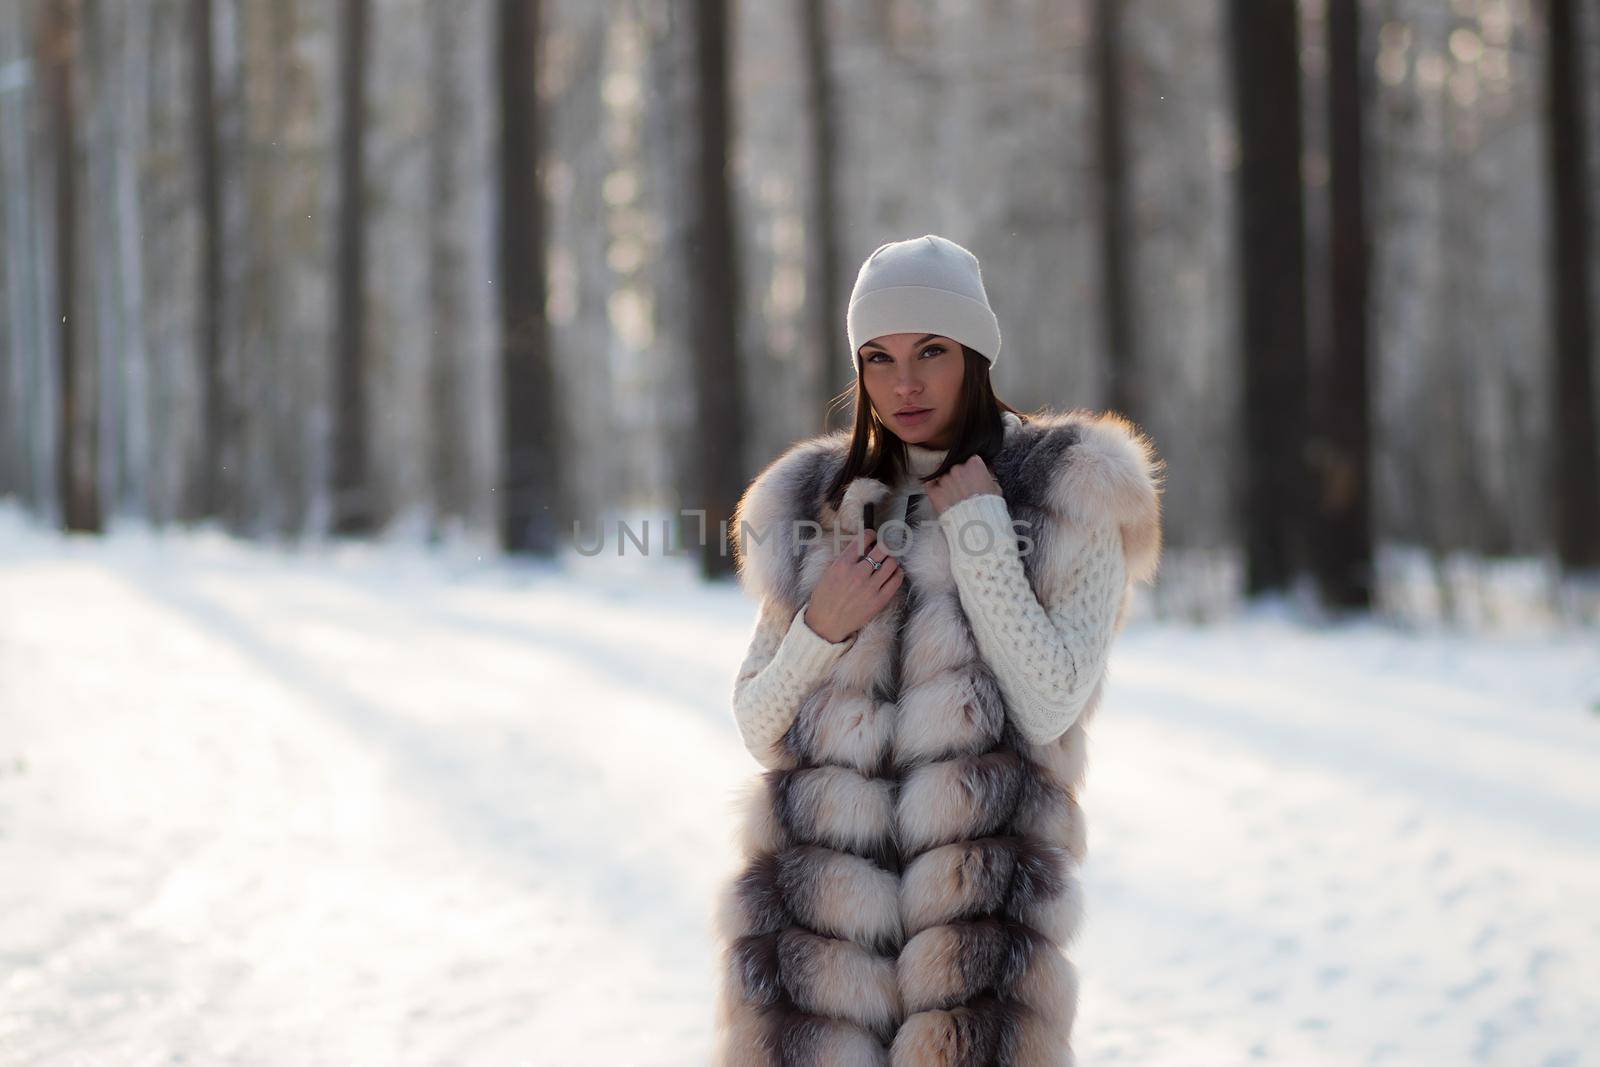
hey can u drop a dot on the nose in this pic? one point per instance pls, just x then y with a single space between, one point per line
907 383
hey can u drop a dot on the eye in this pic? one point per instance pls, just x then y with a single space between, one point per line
873 357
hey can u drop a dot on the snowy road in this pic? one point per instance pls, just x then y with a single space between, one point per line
380 807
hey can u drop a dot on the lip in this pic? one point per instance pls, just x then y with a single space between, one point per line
912 418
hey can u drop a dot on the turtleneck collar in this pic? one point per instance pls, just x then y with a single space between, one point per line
924 461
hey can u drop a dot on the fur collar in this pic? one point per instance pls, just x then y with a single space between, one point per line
1075 466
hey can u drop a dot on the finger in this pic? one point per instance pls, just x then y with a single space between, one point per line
864 570
890 584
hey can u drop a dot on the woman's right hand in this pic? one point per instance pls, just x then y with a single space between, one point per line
850 592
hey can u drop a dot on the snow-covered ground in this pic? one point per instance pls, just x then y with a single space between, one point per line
385 806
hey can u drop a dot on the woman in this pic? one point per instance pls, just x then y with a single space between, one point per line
918 696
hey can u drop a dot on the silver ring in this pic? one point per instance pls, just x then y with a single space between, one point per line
876 563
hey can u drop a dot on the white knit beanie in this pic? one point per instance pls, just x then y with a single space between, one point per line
924 284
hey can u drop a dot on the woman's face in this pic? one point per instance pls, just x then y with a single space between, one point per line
914 383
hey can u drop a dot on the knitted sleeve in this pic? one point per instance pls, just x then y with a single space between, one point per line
786 661
1047 657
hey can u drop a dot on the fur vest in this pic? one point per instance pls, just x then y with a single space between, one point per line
909 872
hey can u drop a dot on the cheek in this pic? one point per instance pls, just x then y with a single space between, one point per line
951 374
877 390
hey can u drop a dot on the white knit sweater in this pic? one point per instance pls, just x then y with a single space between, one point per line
1047 656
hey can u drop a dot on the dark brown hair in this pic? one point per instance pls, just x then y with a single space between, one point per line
877 452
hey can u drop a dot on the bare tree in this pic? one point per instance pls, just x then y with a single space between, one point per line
463 282
21 312
823 290
352 510
1341 530
1266 71
1576 484
1116 234
531 488
207 500
77 447
720 427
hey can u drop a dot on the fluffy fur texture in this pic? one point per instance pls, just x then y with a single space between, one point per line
910 872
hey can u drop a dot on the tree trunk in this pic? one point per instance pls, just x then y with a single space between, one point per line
823 290
720 426
532 509
1116 235
352 502
23 314
463 281
1341 530
77 447
1576 483
207 501
1266 74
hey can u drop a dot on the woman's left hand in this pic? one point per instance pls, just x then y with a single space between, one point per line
971 478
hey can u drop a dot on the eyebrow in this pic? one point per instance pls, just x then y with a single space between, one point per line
925 337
